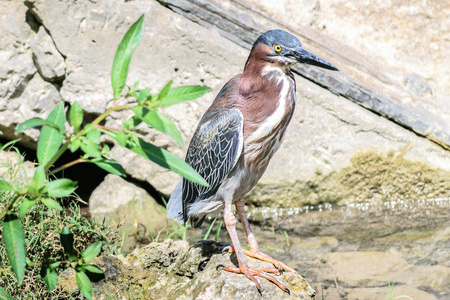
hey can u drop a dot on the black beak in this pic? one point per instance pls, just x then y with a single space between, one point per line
305 57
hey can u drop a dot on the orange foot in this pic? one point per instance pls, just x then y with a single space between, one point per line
255 253
251 272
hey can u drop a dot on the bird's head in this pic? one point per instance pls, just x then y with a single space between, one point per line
283 49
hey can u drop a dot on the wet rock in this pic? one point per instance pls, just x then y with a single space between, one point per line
437 278
48 60
396 292
370 177
318 242
356 269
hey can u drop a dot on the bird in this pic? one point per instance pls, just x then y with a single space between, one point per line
235 140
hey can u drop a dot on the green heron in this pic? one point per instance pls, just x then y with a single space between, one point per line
237 137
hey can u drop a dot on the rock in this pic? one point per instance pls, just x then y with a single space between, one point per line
17 65
398 292
13 168
88 39
120 201
327 133
113 267
436 277
356 269
15 55
358 32
417 84
370 178
38 99
173 270
48 60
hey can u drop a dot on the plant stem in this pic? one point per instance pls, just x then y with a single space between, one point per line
94 123
69 164
107 128
56 156
109 111
36 264
10 205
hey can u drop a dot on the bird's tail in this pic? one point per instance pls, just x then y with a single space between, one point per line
175 206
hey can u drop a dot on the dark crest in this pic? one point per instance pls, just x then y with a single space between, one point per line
279 37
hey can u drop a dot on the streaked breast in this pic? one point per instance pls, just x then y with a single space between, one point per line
265 140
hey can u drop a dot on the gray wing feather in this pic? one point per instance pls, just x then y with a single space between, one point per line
213 152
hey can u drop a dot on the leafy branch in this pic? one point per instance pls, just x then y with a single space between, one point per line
54 140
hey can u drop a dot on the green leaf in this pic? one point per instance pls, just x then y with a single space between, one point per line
67 240
24 206
14 239
84 284
50 277
60 187
94 136
142 95
90 148
31 190
76 115
122 59
93 269
121 138
34 122
165 90
183 93
159 121
4 295
131 123
110 166
165 159
5 186
50 203
39 177
50 138
134 88
75 144
91 252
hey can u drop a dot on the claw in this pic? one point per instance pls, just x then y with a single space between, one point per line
280 269
226 249
277 264
288 291
219 266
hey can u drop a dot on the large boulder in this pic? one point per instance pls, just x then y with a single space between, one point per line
56 50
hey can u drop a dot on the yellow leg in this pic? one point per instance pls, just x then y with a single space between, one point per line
230 223
254 250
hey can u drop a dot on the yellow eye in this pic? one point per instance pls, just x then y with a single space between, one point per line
277 48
